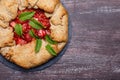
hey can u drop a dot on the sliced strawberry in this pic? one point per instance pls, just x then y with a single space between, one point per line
27 37
48 32
12 24
19 12
20 41
26 27
46 23
36 15
41 33
42 16
15 35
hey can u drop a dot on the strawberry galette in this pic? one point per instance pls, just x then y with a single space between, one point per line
32 31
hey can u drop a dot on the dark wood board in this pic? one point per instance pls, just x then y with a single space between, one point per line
94 51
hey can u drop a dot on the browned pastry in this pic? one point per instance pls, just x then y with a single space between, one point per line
21 51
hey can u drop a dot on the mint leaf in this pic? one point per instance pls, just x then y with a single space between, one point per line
48 39
51 50
26 16
38 45
18 29
35 24
32 34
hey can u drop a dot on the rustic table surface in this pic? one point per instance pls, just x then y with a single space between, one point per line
93 52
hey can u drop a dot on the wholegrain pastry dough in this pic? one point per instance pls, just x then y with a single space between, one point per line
24 55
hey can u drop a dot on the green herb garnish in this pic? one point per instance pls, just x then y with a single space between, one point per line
51 50
18 29
26 16
35 24
48 39
32 34
38 45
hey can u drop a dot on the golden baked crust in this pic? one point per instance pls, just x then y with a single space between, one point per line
32 3
6 37
48 5
8 11
22 4
25 55
59 27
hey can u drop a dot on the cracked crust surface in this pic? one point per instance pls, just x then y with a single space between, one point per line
17 53
6 37
8 11
32 3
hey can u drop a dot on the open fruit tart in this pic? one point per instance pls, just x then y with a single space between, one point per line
32 31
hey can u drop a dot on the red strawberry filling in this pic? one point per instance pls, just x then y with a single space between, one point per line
41 33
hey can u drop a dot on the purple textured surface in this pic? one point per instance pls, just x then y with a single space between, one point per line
93 53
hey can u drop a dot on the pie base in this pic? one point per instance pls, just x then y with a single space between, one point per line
25 55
